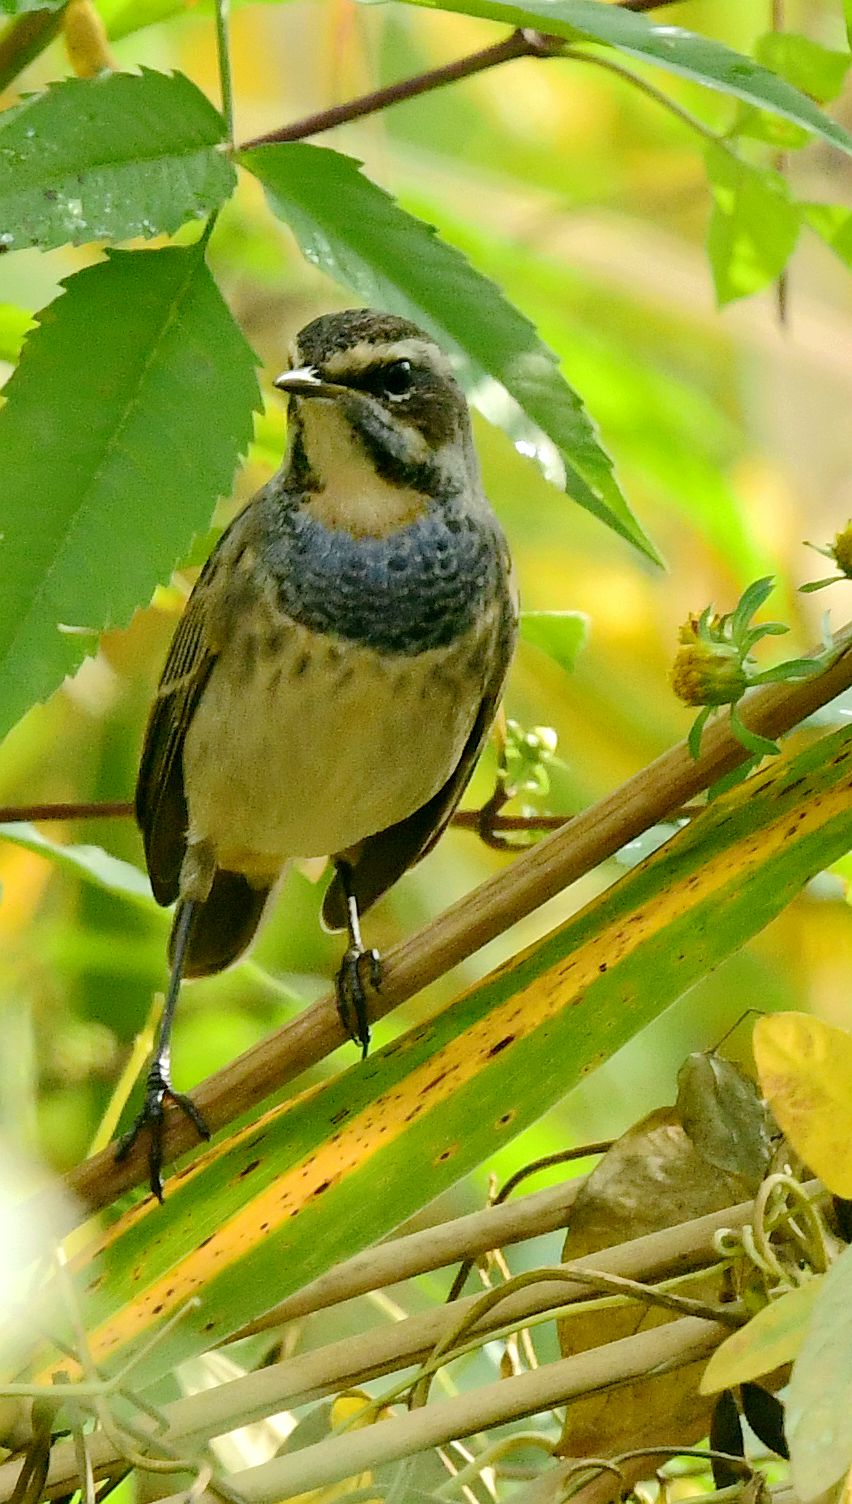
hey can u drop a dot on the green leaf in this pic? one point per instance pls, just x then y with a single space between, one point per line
819 1395
750 601
15 323
122 426
833 223
832 579
696 731
265 1212
753 228
761 746
815 70
772 1337
358 235
794 668
109 158
91 863
559 634
683 52
24 7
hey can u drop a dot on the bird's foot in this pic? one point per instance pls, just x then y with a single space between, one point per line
158 1091
358 965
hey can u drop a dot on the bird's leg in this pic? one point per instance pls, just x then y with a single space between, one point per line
158 1087
351 997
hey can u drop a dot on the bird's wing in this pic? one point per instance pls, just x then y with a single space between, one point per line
380 860
161 809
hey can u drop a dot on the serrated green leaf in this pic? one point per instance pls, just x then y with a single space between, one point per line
91 863
123 424
109 158
833 223
819 1395
559 634
683 52
357 234
815 70
753 228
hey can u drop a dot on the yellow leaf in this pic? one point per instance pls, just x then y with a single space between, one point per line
771 1338
805 1069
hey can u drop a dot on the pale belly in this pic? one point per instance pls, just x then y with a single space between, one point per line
308 751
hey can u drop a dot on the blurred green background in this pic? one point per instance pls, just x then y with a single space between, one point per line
731 437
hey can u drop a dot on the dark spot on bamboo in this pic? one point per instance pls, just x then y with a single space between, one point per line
501 1044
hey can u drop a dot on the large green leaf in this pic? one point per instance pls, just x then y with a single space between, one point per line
833 223
356 233
91 863
700 58
819 1398
753 228
815 70
22 7
262 1214
109 158
122 425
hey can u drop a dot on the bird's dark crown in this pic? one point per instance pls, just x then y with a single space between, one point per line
392 361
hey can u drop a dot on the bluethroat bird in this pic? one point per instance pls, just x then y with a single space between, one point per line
336 670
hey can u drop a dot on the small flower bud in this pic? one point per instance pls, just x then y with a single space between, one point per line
708 673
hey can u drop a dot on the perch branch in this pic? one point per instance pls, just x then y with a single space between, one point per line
508 896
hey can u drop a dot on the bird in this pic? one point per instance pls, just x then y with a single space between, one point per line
335 672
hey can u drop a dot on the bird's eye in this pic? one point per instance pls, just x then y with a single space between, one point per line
397 378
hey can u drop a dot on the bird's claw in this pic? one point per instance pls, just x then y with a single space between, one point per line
351 996
158 1090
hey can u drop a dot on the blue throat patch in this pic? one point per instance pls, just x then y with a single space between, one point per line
420 588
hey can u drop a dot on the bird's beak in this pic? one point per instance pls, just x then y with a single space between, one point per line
306 381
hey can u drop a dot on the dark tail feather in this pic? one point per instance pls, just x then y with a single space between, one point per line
224 924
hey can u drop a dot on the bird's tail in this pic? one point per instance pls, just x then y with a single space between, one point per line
223 926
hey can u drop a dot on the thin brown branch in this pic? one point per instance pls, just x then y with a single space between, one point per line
122 809
524 42
521 43
669 782
12 814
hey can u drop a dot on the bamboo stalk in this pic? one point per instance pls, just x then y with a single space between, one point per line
311 1376
668 783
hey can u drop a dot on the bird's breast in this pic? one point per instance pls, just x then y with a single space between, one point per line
304 744
421 588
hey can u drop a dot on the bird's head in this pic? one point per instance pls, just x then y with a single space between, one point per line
379 427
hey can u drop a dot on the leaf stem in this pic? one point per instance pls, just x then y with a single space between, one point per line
659 96
223 53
